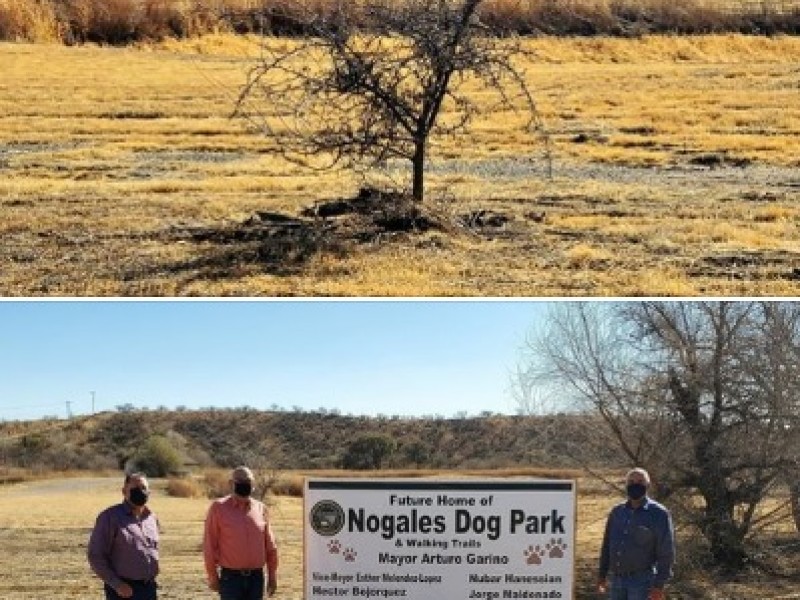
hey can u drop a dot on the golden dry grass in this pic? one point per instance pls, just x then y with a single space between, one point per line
46 524
674 173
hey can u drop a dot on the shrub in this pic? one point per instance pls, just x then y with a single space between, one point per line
287 486
217 483
368 452
184 488
157 457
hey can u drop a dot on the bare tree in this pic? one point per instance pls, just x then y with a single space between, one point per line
703 394
362 88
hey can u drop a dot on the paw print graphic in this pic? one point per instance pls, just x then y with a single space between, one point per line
533 555
349 554
334 547
555 548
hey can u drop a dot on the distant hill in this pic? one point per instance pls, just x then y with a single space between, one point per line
303 440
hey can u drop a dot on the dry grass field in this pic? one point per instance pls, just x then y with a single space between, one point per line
675 172
46 525
44 528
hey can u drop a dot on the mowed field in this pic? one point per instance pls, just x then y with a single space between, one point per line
45 525
675 171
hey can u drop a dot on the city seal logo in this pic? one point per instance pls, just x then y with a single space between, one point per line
327 517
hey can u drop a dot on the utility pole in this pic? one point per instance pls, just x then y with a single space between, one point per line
92 393
69 409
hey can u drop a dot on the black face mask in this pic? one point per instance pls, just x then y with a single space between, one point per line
138 496
242 488
636 491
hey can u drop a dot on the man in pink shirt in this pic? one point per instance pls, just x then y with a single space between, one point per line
238 543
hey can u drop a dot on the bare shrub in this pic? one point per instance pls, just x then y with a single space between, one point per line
123 21
185 488
114 21
162 19
580 17
217 483
377 91
288 485
689 16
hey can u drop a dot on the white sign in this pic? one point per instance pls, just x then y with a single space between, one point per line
441 539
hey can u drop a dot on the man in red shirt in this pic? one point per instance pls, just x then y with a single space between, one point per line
238 543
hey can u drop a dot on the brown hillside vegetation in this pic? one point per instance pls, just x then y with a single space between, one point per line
299 440
674 172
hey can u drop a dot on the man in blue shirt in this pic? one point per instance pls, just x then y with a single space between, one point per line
638 548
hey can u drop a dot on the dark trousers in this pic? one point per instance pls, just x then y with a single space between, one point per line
245 585
147 590
631 587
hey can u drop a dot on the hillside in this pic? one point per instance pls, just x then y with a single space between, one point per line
298 440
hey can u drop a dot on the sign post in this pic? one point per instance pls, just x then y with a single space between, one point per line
424 539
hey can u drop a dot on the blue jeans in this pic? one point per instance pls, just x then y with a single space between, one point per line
141 591
631 587
233 586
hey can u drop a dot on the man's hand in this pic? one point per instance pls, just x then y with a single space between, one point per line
124 590
602 586
272 585
656 594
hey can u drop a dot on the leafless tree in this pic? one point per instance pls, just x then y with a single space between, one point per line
794 494
703 394
370 84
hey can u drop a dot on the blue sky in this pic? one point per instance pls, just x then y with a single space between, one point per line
409 357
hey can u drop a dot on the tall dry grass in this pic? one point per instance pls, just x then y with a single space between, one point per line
124 21
31 21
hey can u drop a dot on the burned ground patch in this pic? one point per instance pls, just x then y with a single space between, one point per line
282 244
